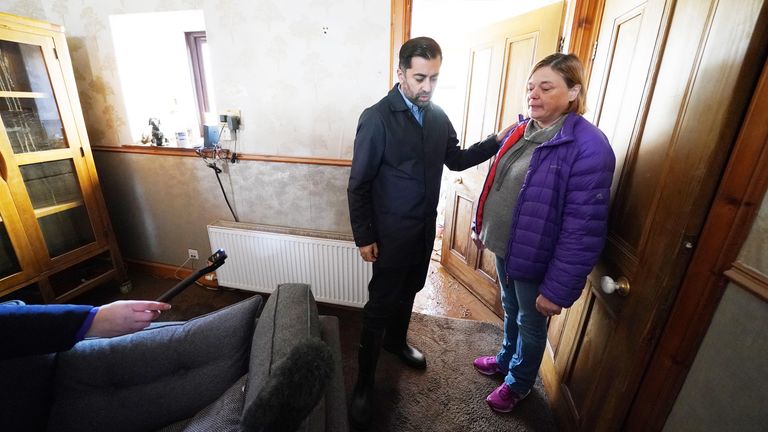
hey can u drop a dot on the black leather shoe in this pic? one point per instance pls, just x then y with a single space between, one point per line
409 355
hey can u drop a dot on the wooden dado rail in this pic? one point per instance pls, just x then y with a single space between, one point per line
749 279
189 152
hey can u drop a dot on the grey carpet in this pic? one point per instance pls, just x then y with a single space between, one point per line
449 395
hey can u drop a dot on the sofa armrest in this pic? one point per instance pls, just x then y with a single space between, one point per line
289 317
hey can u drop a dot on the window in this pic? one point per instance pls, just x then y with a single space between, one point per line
161 76
199 59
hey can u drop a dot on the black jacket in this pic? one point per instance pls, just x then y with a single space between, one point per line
394 183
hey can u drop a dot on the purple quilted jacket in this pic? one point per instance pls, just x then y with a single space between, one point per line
560 220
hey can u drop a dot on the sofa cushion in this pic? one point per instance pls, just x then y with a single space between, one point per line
223 415
165 374
289 317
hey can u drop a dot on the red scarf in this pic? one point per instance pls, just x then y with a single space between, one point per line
511 140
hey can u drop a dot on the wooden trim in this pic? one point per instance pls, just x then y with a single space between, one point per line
150 150
728 223
29 22
400 31
165 271
585 28
23 94
49 210
295 160
749 279
190 152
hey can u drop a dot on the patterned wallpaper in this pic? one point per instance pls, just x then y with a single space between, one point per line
160 205
300 72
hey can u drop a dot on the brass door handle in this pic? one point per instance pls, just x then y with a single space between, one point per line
609 286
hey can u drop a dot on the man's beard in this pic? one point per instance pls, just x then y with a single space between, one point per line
414 98
421 103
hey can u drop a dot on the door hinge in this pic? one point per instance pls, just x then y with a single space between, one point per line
82 152
55 53
561 44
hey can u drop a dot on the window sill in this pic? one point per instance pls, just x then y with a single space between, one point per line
157 150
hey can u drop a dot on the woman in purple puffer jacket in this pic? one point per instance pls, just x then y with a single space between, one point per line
543 213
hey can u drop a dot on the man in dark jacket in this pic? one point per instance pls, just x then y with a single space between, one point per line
401 145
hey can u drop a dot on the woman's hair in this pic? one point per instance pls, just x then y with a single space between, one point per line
419 47
569 67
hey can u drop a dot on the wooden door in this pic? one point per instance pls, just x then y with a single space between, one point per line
669 85
500 58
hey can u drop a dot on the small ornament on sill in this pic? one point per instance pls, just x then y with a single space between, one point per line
181 139
158 138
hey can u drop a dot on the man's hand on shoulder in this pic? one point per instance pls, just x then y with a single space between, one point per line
369 253
501 135
125 316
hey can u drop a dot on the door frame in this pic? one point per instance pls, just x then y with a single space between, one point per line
400 31
728 223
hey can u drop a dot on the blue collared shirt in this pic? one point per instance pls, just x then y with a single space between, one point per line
416 110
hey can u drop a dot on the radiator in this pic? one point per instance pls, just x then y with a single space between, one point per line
260 257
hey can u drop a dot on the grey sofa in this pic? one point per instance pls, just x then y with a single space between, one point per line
243 367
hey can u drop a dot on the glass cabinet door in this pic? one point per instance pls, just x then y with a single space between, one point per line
9 262
54 202
17 261
28 109
55 194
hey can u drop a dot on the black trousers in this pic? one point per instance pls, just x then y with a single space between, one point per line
391 292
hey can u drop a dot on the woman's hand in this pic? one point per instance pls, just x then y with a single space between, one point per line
124 316
546 307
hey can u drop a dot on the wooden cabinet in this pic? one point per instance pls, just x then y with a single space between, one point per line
54 228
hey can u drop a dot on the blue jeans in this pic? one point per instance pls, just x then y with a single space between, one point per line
525 332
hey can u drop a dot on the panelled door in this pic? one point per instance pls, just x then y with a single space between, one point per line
653 93
500 58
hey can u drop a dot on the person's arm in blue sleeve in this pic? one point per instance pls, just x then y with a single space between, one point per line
40 329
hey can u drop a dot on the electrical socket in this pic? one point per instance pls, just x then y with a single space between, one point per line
193 254
234 120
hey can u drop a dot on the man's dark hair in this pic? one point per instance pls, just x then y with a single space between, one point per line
419 47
